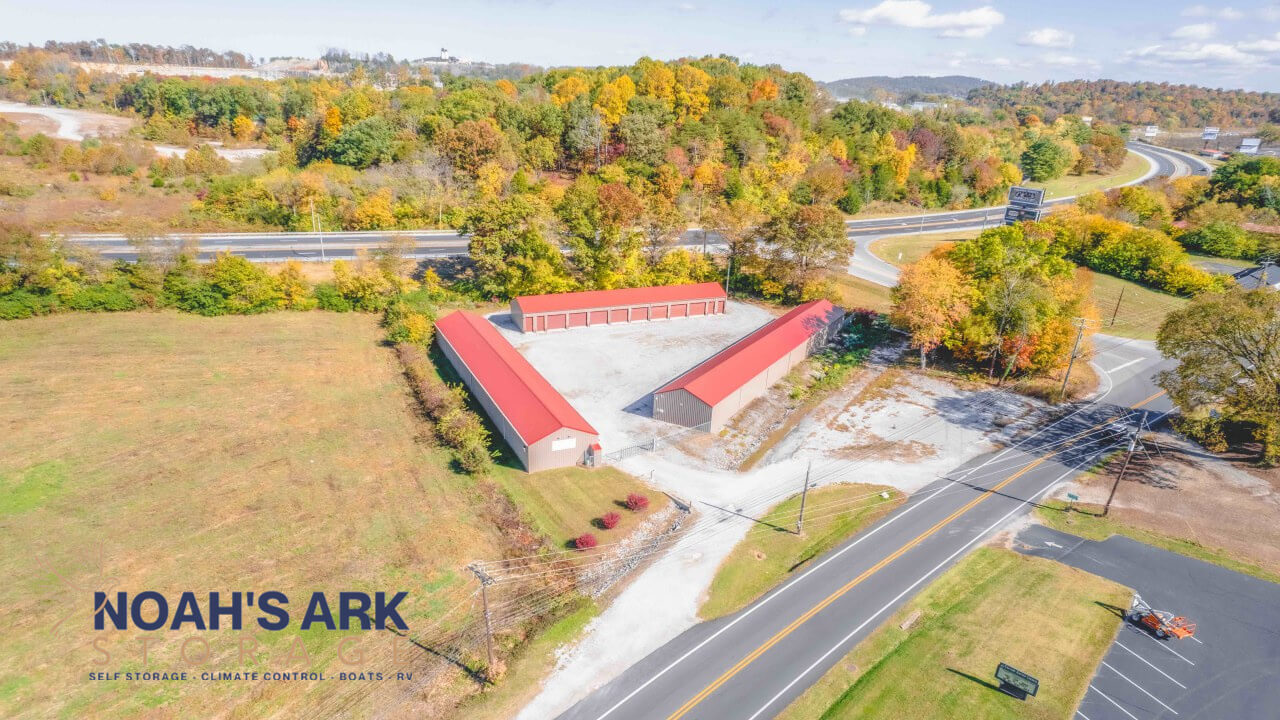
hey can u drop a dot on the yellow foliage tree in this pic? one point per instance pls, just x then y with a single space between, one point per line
294 288
332 121
764 89
567 89
657 81
838 149
490 179
611 101
902 162
691 101
507 88
242 128
374 212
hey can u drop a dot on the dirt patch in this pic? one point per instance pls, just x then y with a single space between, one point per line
30 123
874 447
1187 493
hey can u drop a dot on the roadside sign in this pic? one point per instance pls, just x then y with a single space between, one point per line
1073 497
1152 131
1025 196
1087 120
1250 146
1210 133
1014 214
1015 682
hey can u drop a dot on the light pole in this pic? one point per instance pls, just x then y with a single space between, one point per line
315 227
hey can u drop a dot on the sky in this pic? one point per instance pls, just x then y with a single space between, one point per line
1176 41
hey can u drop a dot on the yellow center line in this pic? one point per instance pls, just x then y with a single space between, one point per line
784 632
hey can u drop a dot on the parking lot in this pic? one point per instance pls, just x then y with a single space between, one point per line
1230 668
609 372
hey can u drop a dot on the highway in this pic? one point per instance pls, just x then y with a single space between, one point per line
280 246
752 664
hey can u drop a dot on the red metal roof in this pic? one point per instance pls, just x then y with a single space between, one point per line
561 302
533 407
726 371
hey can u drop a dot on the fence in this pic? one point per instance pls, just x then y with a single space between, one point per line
654 443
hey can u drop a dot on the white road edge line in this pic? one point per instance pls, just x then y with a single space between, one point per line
1086 717
1113 702
1148 662
913 586
1125 365
845 549
1144 690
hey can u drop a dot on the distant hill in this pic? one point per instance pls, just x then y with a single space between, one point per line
883 87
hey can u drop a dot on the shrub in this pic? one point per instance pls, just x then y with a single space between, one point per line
328 298
585 541
610 520
637 502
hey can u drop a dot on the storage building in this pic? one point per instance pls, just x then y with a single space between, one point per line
541 427
720 386
561 311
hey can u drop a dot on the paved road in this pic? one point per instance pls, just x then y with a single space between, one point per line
1230 669
752 664
279 246
864 263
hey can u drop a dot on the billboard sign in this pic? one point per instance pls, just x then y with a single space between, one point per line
1210 133
1025 197
1250 146
1016 683
1018 214
1151 131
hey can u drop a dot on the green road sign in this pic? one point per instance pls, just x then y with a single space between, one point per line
1015 682
1073 497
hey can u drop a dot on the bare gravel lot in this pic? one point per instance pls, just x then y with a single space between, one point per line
609 372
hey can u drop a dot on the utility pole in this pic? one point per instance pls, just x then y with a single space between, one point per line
1133 443
728 267
485 581
1117 309
804 495
1266 265
315 227
1062 394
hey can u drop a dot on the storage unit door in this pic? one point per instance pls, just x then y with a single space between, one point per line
542 323
698 308
599 317
558 321
528 324
578 319
678 311
617 316
639 314
658 312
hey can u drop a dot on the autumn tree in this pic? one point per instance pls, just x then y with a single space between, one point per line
930 300
510 249
806 240
1228 351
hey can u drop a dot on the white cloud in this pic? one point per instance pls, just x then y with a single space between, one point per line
1198 31
686 7
1265 45
917 14
1048 38
858 30
1196 54
1224 13
1063 60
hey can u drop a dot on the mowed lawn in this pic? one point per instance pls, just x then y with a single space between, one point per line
772 552
1133 167
157 451
1044 618
905 249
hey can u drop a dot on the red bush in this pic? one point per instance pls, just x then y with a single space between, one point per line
584 541
637 502
610 520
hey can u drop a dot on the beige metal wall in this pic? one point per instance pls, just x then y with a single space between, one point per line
543 457
505 429
679 407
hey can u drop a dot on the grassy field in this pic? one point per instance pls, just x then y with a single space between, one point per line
1046 619
280 451
1141 309
771 551
1086 521
905 249
1133 168
858 293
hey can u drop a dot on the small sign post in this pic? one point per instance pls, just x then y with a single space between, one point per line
1015 683
1072 499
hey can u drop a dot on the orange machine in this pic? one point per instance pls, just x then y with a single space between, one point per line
1162 624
